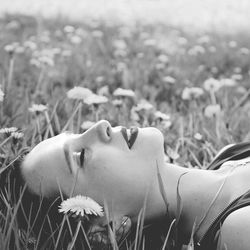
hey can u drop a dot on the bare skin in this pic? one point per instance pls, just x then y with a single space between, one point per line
124 178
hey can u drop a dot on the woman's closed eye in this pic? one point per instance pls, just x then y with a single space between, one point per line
79 157
82 155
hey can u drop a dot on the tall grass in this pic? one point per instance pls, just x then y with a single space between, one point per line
42 60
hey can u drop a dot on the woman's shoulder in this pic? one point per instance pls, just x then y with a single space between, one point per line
235 230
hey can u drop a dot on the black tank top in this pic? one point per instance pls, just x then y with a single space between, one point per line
210 238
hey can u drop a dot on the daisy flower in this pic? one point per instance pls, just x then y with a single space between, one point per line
79 93
198 136
104 90
161 116
17 135
1 95
8 130
143 105
212 110
96 99
81 205
37 108
120 44
169 79
87 124
212 84
124 92
117 102
192 92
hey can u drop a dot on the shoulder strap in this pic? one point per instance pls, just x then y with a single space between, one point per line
235 152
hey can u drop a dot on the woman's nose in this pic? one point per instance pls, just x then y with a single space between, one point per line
104 131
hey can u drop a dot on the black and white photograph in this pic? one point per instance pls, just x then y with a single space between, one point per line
124 125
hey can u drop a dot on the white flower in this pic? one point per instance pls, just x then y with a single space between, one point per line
172 153
204 39
13 25
134 115
81 205
163 58
150 42
120 44
192 92
30 45
120 53
104 90
237 77
17 135
36 108
117 103
75 39
11 48
1 95
212 49
87 124
96 99
237 70
166 124
124 92
182 41
212 110
79 93
227 82
162 116
100 79
69 29
169 79
232 44
244 51
196 50
47 60
143 105
241 90
8 130
198 136
212 84
160 66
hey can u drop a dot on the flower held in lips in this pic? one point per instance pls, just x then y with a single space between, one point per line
81 205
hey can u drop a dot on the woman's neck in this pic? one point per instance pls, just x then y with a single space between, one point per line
183 194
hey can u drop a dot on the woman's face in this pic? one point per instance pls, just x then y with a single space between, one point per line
101 163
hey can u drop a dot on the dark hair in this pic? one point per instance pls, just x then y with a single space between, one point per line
37 217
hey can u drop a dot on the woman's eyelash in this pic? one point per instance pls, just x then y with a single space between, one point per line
82 155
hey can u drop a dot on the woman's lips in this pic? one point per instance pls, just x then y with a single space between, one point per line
131 138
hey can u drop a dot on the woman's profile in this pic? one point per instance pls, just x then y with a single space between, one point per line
125 170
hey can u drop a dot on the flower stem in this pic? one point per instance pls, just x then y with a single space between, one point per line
71 117
38 129
72 243
10 74
49 122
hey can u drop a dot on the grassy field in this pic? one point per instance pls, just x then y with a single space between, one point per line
194 87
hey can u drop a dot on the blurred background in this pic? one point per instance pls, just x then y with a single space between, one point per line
223 15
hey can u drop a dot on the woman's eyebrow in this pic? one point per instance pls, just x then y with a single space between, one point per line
67 156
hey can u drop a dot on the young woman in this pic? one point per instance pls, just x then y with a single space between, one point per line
125 169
